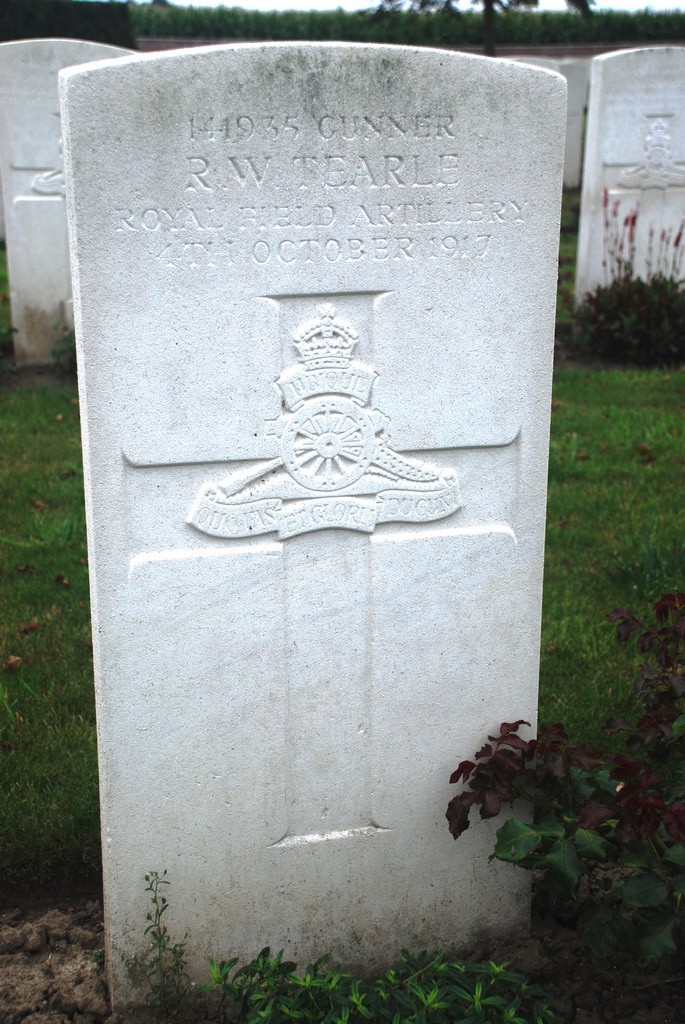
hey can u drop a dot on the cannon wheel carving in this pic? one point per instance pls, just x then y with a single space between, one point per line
328 444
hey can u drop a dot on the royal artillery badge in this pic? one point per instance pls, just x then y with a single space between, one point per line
335 468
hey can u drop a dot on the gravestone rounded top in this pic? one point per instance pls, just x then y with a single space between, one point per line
33 187
649 53
58 51
277 169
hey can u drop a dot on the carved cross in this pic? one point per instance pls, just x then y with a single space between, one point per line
338 506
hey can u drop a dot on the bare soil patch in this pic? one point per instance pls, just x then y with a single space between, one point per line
51 971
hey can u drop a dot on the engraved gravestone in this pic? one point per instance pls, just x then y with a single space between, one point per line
315 292
634 163
33 188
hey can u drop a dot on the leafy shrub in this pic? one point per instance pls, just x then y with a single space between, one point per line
64 351
631 319
6 348
635 321
594 810
421 989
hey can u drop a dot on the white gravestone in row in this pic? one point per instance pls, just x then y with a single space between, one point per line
33 188
576 73
315 292
634 163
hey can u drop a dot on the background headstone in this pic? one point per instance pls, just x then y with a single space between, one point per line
314 300
33 188
634 160
576 71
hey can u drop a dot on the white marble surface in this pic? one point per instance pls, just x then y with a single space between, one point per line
634 160
33 187
314 302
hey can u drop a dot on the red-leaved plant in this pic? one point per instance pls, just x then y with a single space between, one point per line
593 808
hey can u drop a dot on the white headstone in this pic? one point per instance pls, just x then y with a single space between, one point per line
314 302
576 71
33 187
634 159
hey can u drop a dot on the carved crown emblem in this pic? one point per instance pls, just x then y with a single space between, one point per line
325 341
658 133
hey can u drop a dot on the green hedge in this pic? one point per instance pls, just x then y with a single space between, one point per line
515 28
65 19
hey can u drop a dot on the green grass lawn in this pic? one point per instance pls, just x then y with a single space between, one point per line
614 538
48 769
614 532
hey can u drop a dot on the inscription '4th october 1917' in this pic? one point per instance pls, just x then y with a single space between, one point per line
410 200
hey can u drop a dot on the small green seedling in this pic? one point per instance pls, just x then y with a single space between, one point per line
162 969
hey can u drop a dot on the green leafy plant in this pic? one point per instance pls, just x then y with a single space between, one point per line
594 810
268 990
631 319
634 321
419 990
162 969
64 350
6 348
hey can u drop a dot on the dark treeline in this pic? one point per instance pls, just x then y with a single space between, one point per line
426 29
38 19
120 22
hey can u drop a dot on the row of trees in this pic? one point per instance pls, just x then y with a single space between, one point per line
489 8
417 23
410 22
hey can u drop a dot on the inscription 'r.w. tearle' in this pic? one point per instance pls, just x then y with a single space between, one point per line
335 468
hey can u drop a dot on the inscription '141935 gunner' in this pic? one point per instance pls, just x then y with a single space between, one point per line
243 127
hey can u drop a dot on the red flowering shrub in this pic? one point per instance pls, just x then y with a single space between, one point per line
631 319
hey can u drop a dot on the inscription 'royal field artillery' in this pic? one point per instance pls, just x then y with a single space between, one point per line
335 468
